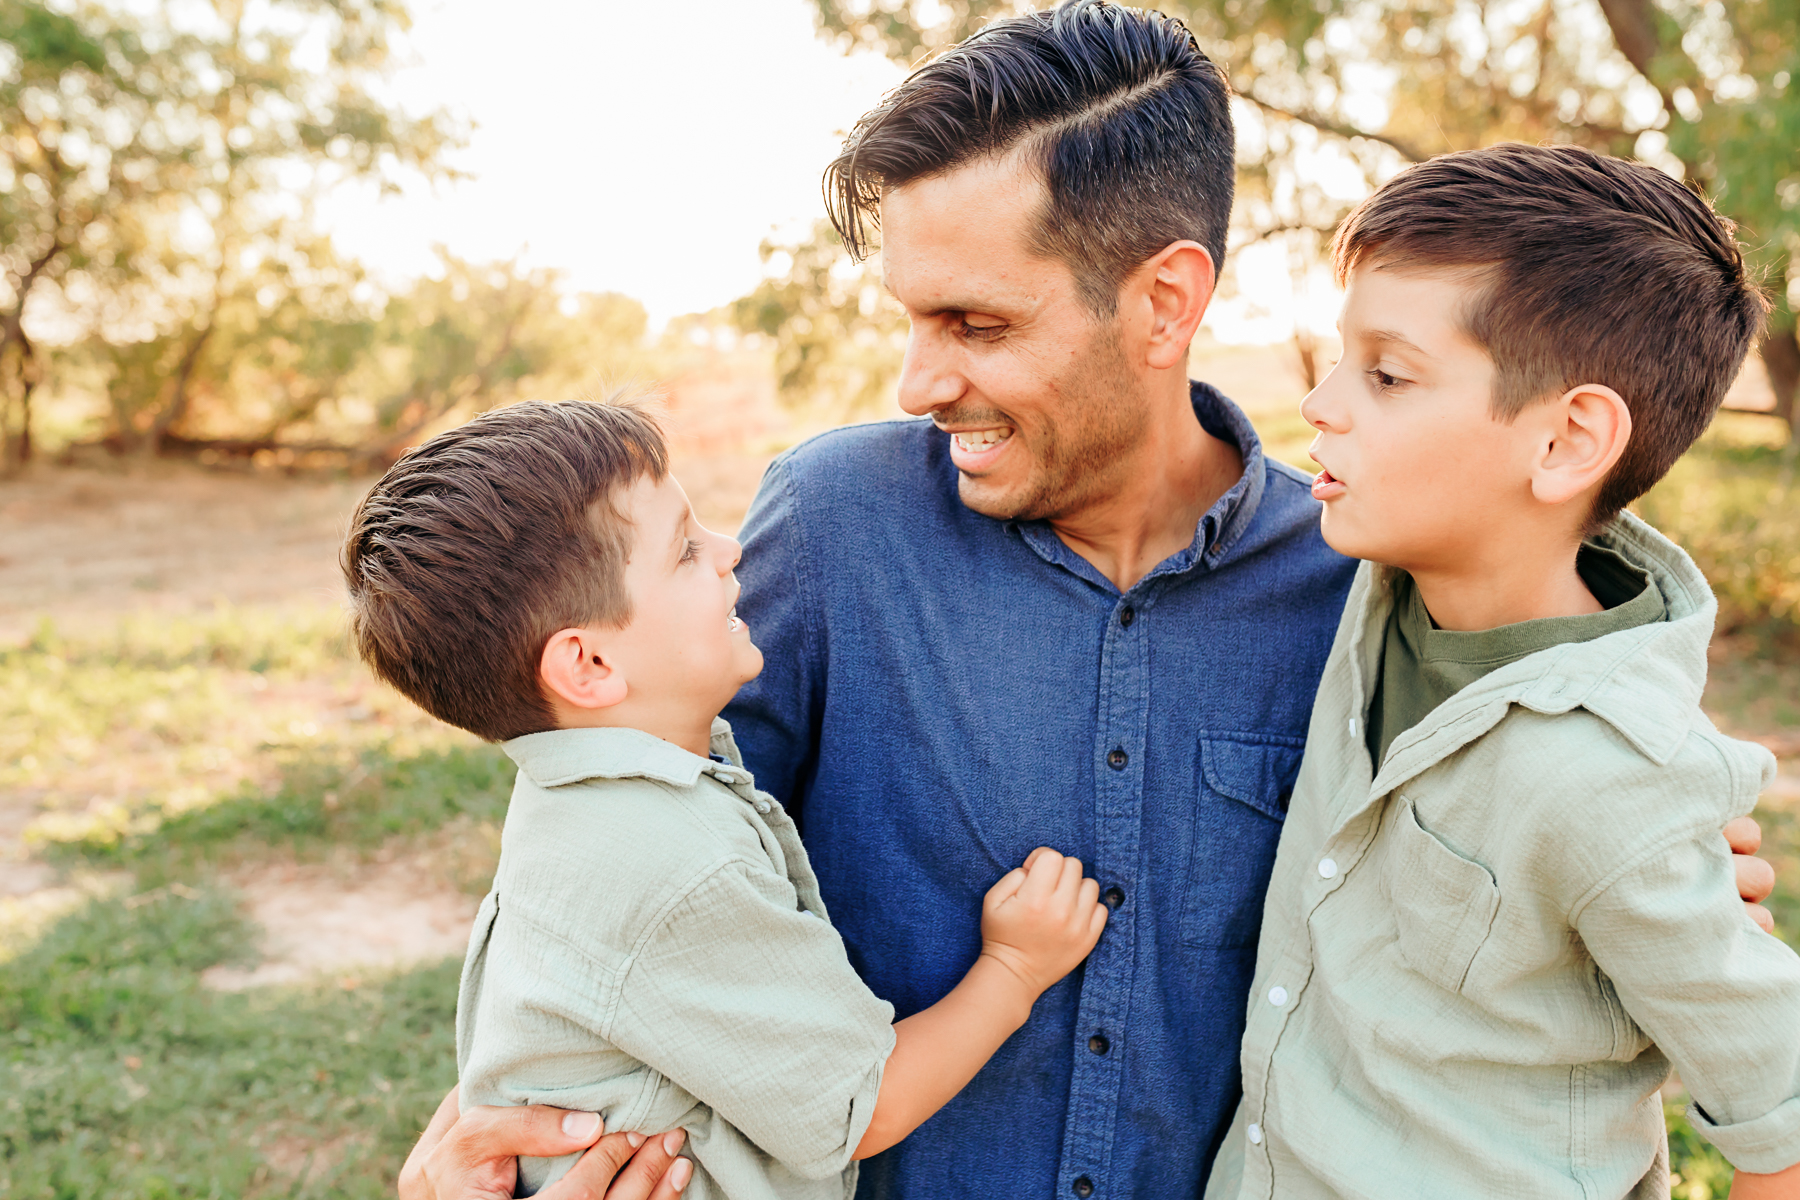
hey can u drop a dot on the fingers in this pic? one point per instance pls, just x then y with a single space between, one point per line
1005 889
1744 835
1765 920
655 1172
487 1133
413 1182
1755 878
1043 875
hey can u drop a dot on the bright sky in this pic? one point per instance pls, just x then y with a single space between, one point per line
642 146
648 147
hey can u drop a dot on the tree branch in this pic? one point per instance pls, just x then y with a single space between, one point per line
1338 129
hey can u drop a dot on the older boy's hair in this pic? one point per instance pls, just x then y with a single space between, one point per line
1589 270
478 545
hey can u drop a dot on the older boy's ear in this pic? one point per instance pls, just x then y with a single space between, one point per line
576 668
1586 429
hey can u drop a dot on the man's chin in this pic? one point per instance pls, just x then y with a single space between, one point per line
1002 503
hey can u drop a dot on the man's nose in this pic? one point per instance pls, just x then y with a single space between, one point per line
928 379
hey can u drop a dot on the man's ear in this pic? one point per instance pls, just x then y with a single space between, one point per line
577 669
1586 430
1178 284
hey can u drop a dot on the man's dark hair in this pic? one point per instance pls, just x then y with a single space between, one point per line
1127 123
478 545
1588 269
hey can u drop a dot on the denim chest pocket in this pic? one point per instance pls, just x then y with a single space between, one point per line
1443 903
1241 800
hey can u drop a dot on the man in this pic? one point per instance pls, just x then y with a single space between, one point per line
1078 606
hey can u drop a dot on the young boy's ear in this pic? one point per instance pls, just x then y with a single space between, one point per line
576 669
1584 433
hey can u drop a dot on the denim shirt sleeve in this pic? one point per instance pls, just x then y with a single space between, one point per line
748 1001
775 717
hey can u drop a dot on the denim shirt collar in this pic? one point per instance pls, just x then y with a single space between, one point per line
1220 527
556 757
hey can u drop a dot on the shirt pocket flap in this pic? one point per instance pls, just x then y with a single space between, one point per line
1255 770
1443 903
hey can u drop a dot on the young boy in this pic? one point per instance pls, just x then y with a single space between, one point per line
1501 907
654 948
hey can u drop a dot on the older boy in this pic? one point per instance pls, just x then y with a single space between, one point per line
654 947
1501 905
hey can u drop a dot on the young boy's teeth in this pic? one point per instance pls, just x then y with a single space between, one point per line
974 440
732 622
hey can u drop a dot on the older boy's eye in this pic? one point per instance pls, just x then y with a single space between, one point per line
1383 381
690 551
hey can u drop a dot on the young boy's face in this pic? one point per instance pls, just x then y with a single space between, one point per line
1414 464
685 648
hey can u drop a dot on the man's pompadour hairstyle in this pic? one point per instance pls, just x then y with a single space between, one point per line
1588 269
1127 123
478 545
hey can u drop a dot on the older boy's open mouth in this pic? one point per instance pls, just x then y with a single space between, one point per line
1326 486
973 449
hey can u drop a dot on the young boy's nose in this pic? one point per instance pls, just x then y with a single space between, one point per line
731 552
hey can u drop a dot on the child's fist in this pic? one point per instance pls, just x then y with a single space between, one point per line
1041 919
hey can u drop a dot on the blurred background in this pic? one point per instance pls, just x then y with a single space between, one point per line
251 250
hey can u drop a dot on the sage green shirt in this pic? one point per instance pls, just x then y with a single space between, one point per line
1422 666
1476 966
654 949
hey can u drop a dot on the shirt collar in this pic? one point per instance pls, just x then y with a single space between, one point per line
561 756
1222 525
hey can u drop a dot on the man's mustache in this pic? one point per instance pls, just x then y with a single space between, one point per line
969 417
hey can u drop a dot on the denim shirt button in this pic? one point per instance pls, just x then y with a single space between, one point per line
1083 1186
1117 759
1127 615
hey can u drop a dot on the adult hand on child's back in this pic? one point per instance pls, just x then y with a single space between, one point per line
471 1157
1755 878
1042 919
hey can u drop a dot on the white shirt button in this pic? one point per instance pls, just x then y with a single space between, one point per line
1278 996
1352 726
1327 868
763 806
1255 1134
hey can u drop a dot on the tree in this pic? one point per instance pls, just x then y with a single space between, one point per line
1333 98
163 176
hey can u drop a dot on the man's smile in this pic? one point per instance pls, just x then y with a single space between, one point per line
976 449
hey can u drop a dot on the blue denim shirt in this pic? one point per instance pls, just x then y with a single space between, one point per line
945 691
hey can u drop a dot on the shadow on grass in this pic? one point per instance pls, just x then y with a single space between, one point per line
322 802
124 1077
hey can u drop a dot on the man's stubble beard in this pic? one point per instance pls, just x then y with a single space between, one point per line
1083 456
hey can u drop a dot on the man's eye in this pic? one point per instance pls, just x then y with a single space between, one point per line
980 333
690 552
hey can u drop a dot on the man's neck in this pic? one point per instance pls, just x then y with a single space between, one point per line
1504 585
1177 472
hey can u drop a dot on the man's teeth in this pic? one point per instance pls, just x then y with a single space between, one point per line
974 440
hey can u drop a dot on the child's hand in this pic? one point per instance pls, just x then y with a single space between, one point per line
1042 919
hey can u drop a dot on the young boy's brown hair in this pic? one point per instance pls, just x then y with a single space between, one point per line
1589 269
477 546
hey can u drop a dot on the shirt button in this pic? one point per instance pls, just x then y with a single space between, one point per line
763 806
1327 868
1117 759
1083 1187
1098 1044
1113 897
1278 996
1255 1134
1127 615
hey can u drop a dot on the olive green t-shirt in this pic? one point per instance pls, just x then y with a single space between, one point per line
1422 666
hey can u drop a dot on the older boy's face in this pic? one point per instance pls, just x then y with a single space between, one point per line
685 649
1414 464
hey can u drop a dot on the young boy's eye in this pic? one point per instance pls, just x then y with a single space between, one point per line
689 552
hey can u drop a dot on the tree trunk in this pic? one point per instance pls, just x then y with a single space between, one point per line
178 397
1781 359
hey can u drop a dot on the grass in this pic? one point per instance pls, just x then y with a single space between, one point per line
123 1077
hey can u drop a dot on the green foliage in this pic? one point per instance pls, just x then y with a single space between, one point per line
121 1076
1733 504
839 337
1697 1171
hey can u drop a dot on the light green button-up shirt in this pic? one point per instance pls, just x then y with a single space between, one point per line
1476 967
654 949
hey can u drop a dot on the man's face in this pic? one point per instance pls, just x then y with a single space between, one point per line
1416 467
685 649
1040 400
